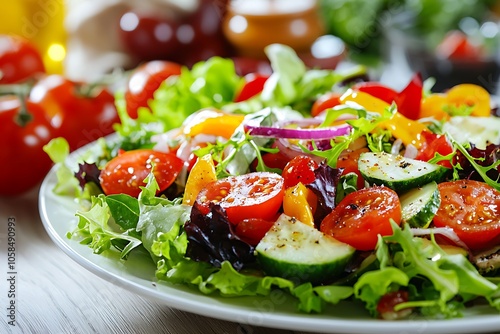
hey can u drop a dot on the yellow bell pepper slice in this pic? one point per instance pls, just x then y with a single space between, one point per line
295 204
470 95
434 105
401 127
202 173
212 122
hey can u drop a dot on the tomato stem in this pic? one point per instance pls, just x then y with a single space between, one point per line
23 117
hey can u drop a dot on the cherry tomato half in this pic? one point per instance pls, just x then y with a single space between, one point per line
252 195
472 210
300 169
145 80
24 163
252 230
125 173
362 215
19 59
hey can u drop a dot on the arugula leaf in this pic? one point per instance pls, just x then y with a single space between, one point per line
124 209
481 170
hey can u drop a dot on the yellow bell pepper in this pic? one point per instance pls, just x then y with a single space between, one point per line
401 127
202 173
296 203
212 122
434 106
470 95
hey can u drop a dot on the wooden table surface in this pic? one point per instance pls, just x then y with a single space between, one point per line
54 294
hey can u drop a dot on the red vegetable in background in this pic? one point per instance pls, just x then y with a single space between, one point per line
81 115
19 59
144 81
23 162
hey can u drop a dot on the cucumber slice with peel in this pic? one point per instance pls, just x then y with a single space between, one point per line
397 172
301 253
419 205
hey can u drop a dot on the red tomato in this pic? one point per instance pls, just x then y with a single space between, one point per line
362 215
377 90
254 84
19 59
253 195
24 163
125 173
472 210
252 230
145 81
299 169
348 161
149 37
325 101
432 144
79 116
386 304
272 160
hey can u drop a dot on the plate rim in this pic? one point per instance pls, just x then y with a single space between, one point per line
296 321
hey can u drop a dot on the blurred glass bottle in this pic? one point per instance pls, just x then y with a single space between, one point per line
40 21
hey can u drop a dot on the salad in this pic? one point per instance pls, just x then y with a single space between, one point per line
316 182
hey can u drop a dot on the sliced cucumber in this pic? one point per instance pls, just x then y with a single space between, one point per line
397 172
419 205
301 253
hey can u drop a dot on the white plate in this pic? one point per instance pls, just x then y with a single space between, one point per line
277 310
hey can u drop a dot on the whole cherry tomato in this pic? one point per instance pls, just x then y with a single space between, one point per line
300 169
362 215
326 101
24 163
80 116
145 80
19 59
471 209
149 36
253 195
125 173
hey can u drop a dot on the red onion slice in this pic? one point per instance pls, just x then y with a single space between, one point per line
306 134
